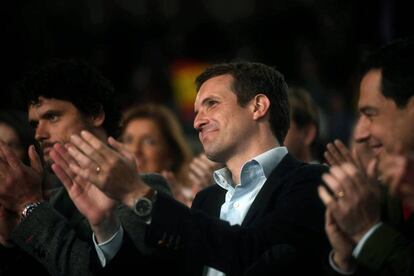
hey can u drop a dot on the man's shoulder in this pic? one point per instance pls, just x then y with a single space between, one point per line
211 194
213 189
290 166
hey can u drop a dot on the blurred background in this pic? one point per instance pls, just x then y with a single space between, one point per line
152 49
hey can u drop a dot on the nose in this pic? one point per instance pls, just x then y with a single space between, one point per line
136 148
361 131
42 132
199 121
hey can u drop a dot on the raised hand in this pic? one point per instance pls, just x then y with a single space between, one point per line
355 204
200 172
110 169
20 184
89 200
337 153
342 245
397 171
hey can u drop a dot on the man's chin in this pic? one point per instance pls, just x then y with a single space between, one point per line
48 164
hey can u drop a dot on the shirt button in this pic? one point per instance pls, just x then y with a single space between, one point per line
236 205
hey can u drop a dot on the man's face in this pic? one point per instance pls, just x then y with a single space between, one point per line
382 124
224 126
55 121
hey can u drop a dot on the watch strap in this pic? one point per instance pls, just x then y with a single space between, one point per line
28 209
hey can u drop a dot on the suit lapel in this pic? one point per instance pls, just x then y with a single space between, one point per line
276 178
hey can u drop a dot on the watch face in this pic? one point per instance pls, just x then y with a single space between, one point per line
143 207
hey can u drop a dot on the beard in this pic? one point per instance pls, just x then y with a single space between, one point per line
47 165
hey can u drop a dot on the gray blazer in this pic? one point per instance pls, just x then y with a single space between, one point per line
57 236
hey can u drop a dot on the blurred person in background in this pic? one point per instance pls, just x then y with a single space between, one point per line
154 135
304 125
16 132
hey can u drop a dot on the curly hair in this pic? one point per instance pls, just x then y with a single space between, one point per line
77 82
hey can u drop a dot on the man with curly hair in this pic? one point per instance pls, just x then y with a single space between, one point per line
63 98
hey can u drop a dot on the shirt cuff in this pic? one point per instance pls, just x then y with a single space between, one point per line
361 243
337 269
107 250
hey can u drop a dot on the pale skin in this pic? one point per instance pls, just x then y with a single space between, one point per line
218 117
143 137
88 152
337 154
90 201
21 184
55 121
379 126
200 172
397 171
216 110
200 176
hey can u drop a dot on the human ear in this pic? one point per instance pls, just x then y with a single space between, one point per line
261 105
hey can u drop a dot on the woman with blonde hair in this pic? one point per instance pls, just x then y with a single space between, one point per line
153 133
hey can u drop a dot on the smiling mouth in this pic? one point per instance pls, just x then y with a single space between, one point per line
204 134
376 149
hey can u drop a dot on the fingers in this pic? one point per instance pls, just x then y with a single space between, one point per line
9 156
355 176
325 196
3 163
393 169
99 146
330 159
61 174
196 169
330 223
85 149
35 162
358 160
337 153
119 147
372 169
201 163
332 183
62 158
344 180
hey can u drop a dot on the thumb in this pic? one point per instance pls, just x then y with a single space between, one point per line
119 147
35 162
372 168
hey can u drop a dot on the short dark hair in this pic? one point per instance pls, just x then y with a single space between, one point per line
251 79
77 82
396 62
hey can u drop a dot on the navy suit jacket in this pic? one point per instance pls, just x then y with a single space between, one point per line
287 212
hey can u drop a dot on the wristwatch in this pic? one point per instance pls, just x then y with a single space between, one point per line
143 205
28 209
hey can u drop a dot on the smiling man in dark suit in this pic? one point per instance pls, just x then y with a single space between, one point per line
270 214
